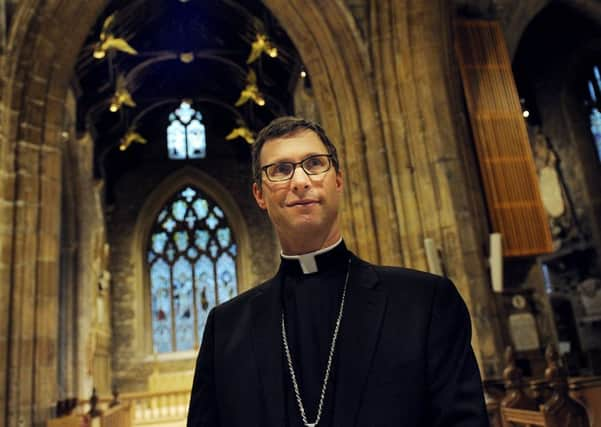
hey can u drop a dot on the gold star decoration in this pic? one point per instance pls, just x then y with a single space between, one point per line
260 45
241 132
108 41
251 91
121 96
130 137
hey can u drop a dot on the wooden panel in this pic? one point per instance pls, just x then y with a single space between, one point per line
506 164
119 416
587 391
523 417
66 421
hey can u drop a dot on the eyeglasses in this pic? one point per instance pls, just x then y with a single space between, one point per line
284 171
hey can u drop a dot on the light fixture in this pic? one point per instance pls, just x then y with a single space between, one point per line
526 114
303 74
186 57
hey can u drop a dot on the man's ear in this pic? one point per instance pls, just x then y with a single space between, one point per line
259 196
339 181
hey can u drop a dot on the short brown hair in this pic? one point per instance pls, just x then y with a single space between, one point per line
285 126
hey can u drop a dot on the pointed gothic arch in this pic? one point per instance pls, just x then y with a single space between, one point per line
381 139
162 195
31 116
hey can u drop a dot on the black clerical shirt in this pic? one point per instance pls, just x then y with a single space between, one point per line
311 304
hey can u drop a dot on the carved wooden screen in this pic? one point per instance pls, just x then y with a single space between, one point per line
506 163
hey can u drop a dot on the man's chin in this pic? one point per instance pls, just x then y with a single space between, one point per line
306 225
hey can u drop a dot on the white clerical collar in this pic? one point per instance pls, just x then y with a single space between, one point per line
307 261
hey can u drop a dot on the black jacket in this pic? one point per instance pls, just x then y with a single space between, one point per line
405 357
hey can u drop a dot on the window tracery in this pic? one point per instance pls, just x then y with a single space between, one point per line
186 138
594 90
191 260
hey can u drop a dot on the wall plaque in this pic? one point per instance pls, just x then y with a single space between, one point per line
522 328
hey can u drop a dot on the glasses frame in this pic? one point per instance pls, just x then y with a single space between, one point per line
295 164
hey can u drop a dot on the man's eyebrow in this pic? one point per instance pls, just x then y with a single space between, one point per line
288 159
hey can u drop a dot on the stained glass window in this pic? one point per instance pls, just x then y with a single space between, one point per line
192 266
186 134
594 91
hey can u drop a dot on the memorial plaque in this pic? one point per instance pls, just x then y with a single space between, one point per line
522 327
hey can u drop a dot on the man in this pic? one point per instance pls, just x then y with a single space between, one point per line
331 340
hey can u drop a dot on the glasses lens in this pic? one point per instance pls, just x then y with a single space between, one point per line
316 164
280 171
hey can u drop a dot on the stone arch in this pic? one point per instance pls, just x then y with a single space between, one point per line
357 84
524 12
557 84
153 204
36 72
578 130
330 43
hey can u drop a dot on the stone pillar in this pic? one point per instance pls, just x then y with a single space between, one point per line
35 70
8 293
335 56
435 190
34 287
68 261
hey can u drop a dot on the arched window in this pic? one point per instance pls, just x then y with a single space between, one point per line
594 90
186 134
192 267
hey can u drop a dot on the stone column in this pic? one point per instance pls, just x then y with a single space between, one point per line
35 68
335 56
435 189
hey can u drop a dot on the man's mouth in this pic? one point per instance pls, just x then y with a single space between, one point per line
303 202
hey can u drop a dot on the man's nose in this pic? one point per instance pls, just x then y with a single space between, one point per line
300 178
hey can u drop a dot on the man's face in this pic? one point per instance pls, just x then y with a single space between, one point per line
307 205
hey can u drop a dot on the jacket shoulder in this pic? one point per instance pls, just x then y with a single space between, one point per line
407 280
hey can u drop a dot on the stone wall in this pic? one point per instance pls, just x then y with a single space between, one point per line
133 359
555 75
388 95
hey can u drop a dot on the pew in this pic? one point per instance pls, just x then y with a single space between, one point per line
587 391
519 408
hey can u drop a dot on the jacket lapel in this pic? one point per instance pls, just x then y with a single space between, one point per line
360 328
267 348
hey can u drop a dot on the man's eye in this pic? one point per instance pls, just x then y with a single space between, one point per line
314 163
281 169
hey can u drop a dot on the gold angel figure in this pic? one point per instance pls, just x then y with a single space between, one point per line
251 91
121 96
130 137
260 45
241 132
109 42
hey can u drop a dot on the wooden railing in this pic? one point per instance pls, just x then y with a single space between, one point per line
153 407
73 420
117 416
145 408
